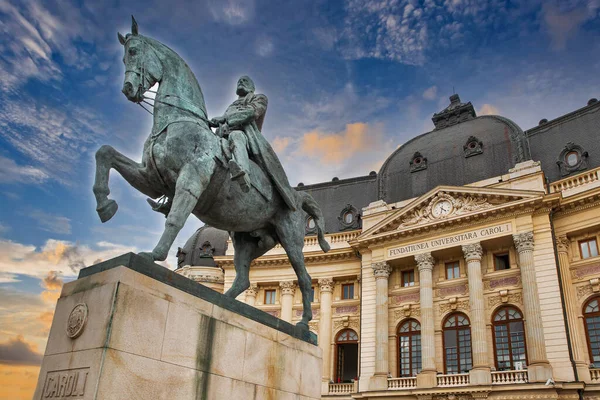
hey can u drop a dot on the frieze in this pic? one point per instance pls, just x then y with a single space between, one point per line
511 298
315 312
274 313
585 271
453 306
63 384
405 298
493 284
451 291
340 324
346 310
208 278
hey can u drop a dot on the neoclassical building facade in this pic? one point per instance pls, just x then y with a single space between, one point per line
467 267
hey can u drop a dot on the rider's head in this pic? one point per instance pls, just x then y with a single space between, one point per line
245 85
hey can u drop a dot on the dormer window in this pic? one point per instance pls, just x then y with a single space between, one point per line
349 218
473 147
572 158
310 226
418 162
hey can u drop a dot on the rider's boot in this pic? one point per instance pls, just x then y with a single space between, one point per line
239 175
240 163
162 207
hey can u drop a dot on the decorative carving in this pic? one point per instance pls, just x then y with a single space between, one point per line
455 113
287 288
418 162
206 250
502 282
460 205
424 261
472 252
326 284
208 278
313 326
180 257
523 241
346 310
274 313
562 244
252 290
452 290
315 312
406 311
583 291
381 269
413 297
572 158
346 323
349 218
453 305
473 147
585 271
76 321
511 298
595 282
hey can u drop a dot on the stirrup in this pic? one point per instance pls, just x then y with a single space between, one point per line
239 175
162 206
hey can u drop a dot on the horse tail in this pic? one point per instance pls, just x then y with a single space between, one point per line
312 208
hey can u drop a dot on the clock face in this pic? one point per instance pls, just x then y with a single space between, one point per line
441 208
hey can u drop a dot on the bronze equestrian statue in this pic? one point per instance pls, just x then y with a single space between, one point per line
204 173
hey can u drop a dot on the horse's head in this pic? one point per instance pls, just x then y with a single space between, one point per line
142 65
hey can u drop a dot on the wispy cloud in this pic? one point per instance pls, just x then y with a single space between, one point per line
564 19
430 93
50 222
18 352
488 109
232 12
11 172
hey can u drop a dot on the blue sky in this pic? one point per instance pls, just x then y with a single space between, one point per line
347 81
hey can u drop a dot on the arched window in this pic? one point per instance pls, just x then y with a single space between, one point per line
457 344
509 339
346 347
591 314
409 348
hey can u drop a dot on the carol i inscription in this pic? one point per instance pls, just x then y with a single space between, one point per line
67 384
453 240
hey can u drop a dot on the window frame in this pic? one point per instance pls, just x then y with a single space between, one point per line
407 271
503 253
456 328
342 342
347 285
267 291
587 242
411 334
585 323
456 266
510 344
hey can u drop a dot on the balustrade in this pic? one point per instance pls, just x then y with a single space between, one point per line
573 182
595 375
402 383
509 377
452 380
343 388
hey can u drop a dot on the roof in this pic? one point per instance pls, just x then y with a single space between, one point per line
200 248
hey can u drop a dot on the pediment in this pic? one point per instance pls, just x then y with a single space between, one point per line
449 204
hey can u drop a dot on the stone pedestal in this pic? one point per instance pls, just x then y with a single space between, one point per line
129 329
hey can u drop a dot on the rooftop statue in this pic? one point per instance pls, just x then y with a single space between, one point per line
230 179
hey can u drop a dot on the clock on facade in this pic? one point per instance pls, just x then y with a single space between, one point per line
441 208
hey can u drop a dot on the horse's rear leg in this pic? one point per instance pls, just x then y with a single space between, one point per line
188 188
107 158
292 240
246 248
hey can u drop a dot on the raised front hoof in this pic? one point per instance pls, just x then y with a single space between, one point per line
108 210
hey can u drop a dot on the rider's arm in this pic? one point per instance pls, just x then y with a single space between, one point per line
255 109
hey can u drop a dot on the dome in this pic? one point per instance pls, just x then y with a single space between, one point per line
462 149
200 248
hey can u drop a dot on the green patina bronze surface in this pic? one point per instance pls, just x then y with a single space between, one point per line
230 179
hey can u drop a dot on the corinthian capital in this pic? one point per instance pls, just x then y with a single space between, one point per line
472 252
425 261
326 285
523 241
381 269
562 244
287 287
252 290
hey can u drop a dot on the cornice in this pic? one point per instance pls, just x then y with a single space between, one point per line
315 257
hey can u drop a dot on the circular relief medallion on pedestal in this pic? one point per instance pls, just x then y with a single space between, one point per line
77 320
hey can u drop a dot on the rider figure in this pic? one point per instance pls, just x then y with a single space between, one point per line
241 124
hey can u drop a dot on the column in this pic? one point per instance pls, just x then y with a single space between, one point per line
288 289
325 290
572 308
382 271
539 369
480 374
427 377
251 293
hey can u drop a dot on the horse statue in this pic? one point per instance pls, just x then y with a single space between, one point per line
183 160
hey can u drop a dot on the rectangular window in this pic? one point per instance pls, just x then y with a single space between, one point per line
452 270
501 262
588 248
270 296
408 278
347 291
312 294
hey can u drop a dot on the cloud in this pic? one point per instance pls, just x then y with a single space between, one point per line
56 255
279 144
51 223
430 93
52 285
11 172
4 228
264 47
488 109
18 352
232 12
333 148
564 25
